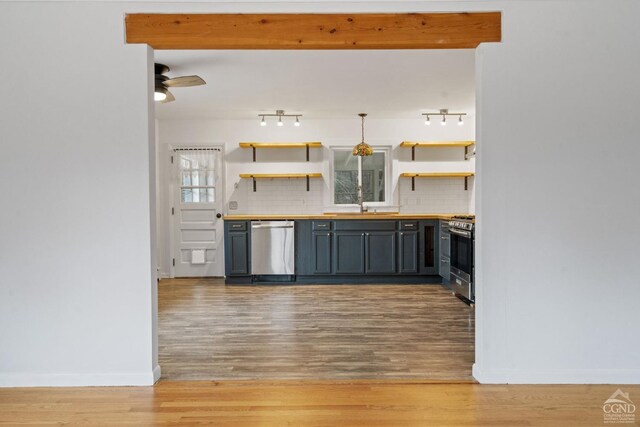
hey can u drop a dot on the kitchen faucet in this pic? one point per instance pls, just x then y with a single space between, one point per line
363 209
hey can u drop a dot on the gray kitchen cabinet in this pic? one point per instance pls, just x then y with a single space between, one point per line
380 252
445 251
408 254
237 245
348 252
321 252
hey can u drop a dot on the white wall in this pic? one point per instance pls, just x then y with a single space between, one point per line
76 283
290 196
558 277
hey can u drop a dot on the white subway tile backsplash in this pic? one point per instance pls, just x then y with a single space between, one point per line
290 196
442 195
284 196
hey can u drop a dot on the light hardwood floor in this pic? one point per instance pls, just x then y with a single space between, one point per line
209 331
300 404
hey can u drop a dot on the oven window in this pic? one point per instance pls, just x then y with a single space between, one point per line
461 253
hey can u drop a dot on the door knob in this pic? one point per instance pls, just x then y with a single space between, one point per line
219 215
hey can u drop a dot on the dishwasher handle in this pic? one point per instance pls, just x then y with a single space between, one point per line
271 226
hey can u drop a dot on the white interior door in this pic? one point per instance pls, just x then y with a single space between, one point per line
197 213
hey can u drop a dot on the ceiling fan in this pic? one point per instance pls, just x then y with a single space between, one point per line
163 83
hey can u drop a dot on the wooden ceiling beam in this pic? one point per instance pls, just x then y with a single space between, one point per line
314 31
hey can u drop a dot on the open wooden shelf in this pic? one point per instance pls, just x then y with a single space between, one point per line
256 145
256 176
280 175
437 175
436 144
413 177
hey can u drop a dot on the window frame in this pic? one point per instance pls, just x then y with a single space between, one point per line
387 150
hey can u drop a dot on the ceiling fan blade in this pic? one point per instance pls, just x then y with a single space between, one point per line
169 98
185 81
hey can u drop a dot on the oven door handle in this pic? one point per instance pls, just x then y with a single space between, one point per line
462 233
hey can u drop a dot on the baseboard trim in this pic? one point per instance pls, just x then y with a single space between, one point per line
556 376
80 380
157 372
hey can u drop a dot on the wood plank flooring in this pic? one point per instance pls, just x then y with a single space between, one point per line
209 331
301 404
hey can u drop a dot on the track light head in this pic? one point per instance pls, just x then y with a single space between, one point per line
444 120
460 122
297 122
427 121
263 122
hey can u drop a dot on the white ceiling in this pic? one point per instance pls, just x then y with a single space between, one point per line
320 84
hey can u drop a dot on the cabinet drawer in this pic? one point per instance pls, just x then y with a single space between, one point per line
367 225
321 225
409 225
237 226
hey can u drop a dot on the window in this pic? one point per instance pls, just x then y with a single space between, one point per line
349 170
197 176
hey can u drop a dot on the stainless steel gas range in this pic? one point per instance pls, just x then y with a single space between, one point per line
462 258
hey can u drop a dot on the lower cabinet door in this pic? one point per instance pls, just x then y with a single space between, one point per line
408 243
348 254
238 256
381 252
321 253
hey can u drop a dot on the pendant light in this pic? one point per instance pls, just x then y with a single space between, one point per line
362 149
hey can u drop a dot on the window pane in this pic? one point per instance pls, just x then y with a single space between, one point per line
345 177
187 195
373 177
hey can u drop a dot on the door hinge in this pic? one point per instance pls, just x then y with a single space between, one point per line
174 262
172 211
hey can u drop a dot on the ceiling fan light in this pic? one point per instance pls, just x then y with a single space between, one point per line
159 96
160 93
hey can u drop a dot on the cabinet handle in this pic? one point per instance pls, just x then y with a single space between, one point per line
444 237
402 234
444 261
328 234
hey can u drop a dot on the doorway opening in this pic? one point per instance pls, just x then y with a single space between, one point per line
276 338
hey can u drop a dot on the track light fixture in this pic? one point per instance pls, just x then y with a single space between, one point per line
279 114
444 113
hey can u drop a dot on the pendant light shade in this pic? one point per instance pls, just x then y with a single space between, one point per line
362 149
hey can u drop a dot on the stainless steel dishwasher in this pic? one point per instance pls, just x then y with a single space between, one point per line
272 247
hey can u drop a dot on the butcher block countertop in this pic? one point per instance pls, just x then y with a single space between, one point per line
330 216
